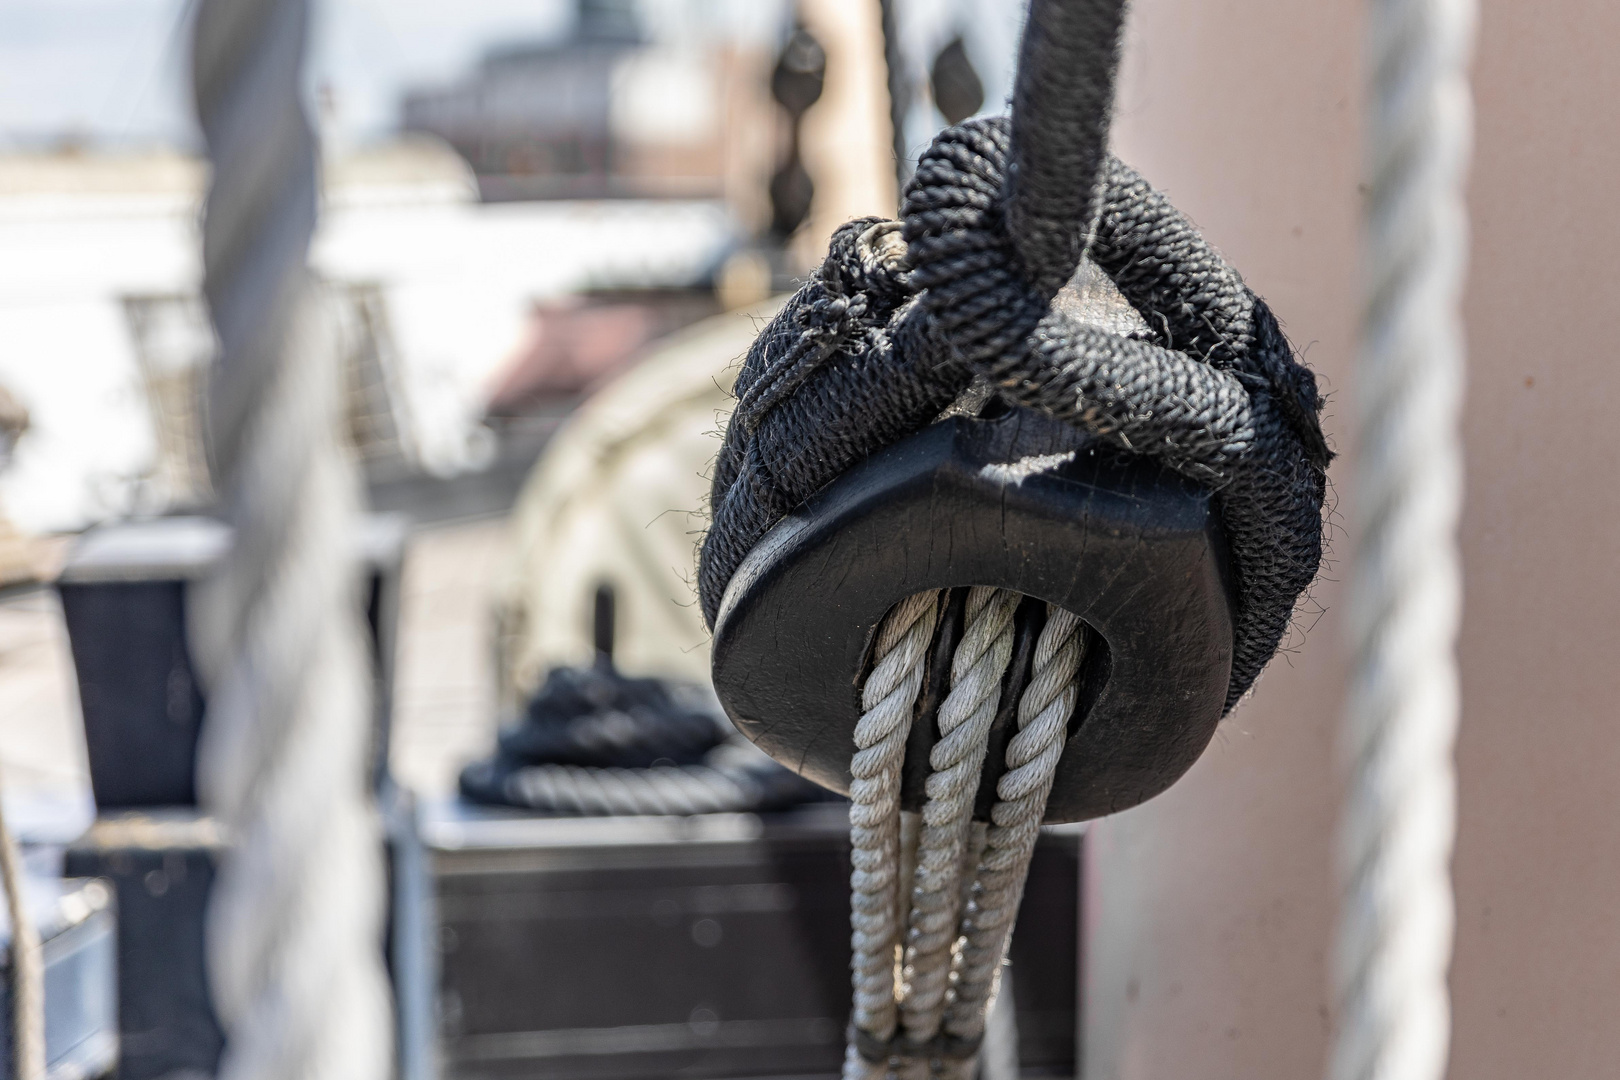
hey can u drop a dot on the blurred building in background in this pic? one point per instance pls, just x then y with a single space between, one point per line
603 112
528 230
104 340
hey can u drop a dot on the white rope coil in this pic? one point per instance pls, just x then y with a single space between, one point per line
967 880
1394 938
664 789
295 917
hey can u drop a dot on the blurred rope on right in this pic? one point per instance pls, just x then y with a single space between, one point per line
1399 819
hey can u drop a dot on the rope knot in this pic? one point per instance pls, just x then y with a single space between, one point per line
867 258
855 291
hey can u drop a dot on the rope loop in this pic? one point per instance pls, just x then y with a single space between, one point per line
903 316
975 286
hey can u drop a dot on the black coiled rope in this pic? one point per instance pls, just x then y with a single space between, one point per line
596 741
902 316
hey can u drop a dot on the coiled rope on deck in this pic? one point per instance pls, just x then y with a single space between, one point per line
596 741
295 917
735 777
1399 817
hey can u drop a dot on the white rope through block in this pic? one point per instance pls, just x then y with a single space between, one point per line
966 882
294 928
888 696
27 966
1397 913
1015 820
956 761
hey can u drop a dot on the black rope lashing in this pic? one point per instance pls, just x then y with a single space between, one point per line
902 316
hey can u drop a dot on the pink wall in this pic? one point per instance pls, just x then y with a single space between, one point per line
1212 907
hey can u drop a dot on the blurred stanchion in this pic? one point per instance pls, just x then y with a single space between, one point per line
295 920
847 138
957 89
796 84
27 967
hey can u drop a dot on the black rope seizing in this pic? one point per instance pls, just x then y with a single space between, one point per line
902 316
883 338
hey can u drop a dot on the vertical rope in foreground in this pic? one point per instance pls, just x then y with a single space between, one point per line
294 922
1395 932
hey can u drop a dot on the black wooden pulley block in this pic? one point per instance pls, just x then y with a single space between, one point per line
1018 501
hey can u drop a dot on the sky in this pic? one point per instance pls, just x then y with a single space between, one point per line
112 72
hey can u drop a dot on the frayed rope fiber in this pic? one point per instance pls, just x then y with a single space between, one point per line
903 315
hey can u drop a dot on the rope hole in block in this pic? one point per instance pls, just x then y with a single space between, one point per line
1028 622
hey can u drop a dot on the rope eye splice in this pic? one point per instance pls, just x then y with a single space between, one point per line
1015 506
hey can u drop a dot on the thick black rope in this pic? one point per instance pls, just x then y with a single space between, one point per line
884 337
1061 107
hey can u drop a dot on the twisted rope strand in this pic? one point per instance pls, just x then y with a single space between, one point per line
888 696
998 881
1397 914
294 921
1062 104
956 760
